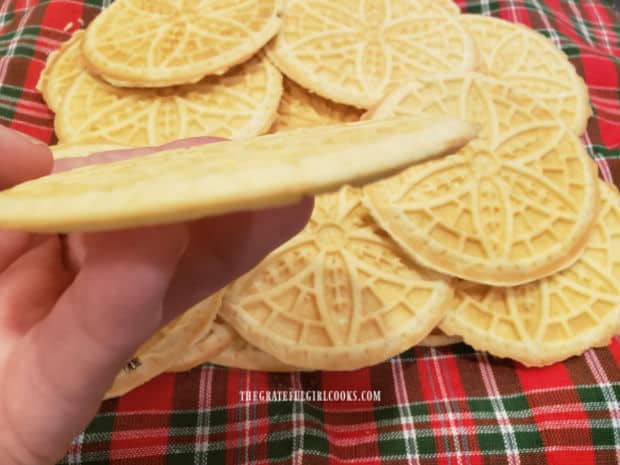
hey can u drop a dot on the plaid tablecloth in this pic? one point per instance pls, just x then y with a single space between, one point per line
446 406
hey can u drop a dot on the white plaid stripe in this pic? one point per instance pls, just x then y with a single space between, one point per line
583 30
16 40
551 32
4 13
74 455
506 428
440 417
601 28
245 420
204 411
485 7
610 396
436 375
406 417
452 403
298 422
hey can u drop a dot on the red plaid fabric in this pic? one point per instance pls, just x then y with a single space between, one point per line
437 406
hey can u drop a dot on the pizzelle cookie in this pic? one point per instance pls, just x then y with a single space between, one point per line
239 104
338 296
242 354
158 43
437 338
301 109
166 346
515 205
354 52
62 67
554 318
210 179
528 61
214 339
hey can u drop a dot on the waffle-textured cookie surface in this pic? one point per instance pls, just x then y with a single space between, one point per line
513 206
209 179
355 51
338 296
527 60
158 43
554 318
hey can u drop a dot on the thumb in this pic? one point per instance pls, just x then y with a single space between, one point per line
22 158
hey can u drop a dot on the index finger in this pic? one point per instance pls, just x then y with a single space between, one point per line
21 158
66 164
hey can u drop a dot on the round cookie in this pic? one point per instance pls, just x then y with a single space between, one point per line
159 43
338 296
62 67
354 52
239 104
557 317
529 62
437 338
211 342
301 109
241 354
216 178
166 346
515 205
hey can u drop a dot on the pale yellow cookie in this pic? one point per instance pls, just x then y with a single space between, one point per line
159 43
81 150
302 109
515 205
529 62
239 104
209 344
242 354
338 296
557 317
211 179
437 338
449 6
166 346
60 71
356 51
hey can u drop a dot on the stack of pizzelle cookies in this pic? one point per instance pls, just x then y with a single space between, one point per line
509 244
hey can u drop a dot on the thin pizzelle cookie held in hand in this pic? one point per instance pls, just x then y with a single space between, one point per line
159 43
557 317
210 179
515 205
338 296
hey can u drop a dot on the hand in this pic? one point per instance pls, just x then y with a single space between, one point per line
74 310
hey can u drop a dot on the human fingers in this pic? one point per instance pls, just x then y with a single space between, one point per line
65 164
222 248
21 158
28 289
71 357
